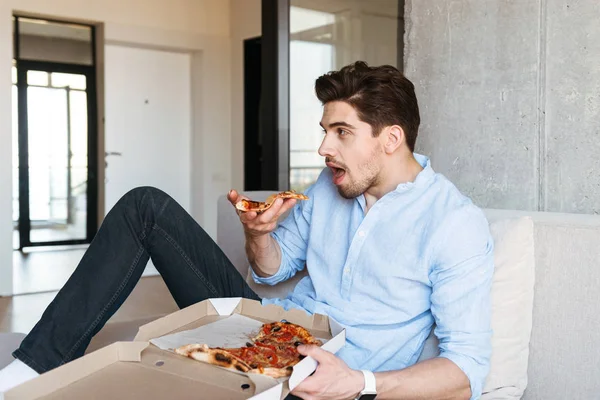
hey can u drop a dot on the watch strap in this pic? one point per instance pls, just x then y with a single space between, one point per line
370 389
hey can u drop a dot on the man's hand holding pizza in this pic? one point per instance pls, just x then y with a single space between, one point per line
260 224
333 379
262 250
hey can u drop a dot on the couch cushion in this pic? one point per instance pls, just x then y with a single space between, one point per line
563 358
512 307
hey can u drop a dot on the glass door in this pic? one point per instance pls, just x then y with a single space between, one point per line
54 206
54 133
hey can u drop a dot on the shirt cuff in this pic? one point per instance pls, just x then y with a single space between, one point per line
473 372
268 280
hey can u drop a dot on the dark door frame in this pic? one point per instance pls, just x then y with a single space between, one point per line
275 95
92 143
252 102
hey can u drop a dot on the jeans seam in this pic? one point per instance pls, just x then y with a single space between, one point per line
187 260
106 307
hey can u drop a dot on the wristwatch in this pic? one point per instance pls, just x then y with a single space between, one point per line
370 390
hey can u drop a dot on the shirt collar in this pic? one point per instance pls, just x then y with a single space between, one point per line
422 178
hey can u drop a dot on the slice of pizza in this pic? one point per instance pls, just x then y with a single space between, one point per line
245 205
272 352
276 363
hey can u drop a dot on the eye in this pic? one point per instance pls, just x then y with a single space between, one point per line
342 132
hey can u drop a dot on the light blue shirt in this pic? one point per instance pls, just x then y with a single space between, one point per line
422 254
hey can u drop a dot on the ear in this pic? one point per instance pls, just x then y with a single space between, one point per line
393 138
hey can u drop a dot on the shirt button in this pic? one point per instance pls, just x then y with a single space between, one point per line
346 271
361 233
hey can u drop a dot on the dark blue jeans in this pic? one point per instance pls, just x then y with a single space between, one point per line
145 223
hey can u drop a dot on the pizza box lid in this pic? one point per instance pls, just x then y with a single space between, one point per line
140 370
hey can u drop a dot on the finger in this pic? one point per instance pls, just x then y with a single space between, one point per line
248 217
271 213
315 352
287 205
260 228
232 196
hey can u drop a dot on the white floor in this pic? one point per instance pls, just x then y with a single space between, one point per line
39 271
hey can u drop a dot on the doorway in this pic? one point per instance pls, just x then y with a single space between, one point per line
148 132
54 133
148 122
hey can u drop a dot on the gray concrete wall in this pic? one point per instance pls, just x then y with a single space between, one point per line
510 98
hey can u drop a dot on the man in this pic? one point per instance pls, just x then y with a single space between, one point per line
390 247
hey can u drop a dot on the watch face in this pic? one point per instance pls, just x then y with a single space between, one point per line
367 397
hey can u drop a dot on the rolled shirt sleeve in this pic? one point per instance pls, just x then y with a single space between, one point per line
461 277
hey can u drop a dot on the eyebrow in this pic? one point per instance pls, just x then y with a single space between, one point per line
339 123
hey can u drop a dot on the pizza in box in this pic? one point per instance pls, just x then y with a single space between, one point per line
272 352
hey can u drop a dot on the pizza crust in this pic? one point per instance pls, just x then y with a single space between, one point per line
222 358
273 372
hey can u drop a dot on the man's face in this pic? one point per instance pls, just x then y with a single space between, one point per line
350 150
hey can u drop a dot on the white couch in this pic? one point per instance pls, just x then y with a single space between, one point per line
564 358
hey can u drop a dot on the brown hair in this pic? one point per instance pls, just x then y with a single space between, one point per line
382 96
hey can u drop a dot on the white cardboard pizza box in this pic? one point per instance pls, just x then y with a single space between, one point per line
140 370
133 370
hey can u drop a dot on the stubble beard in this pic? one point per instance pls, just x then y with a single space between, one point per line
370 169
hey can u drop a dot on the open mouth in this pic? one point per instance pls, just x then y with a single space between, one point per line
338 175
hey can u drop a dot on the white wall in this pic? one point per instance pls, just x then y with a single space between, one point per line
200 27
191 16
5 154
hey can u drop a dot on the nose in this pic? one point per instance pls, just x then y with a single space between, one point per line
326 149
